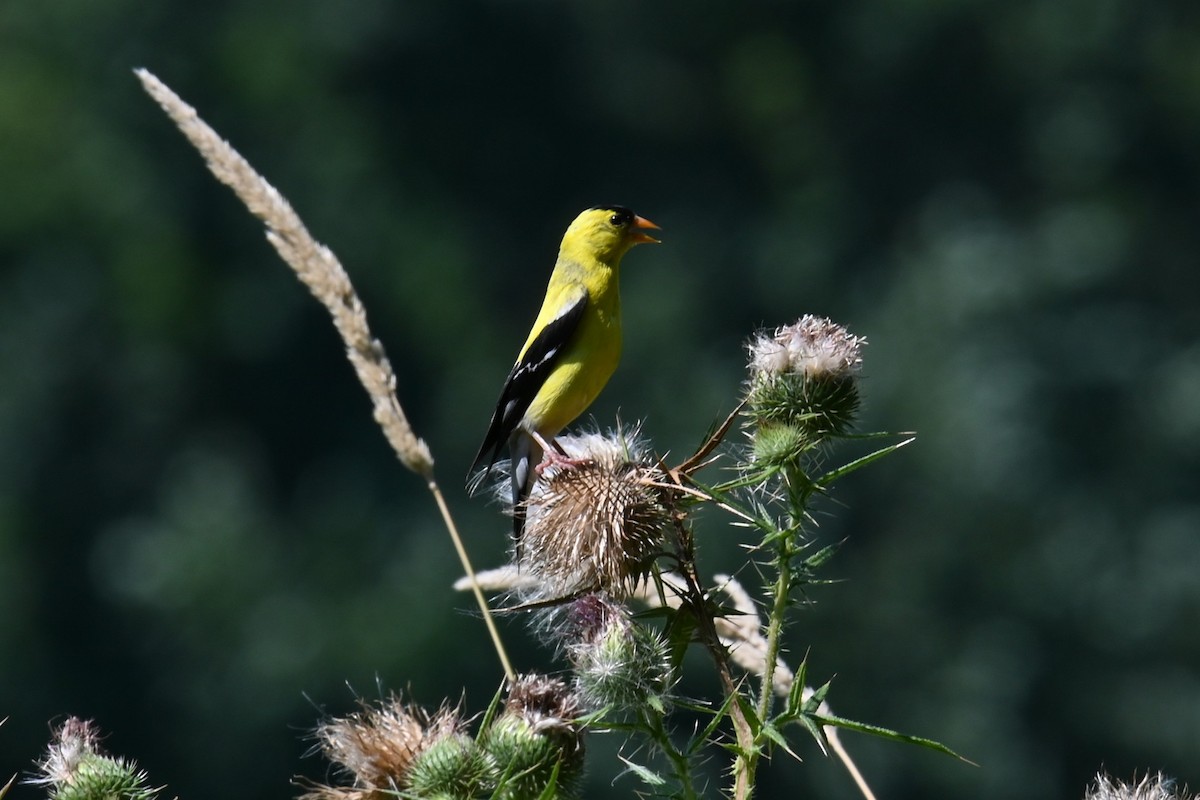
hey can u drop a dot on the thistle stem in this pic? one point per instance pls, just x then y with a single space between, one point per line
781 591
653 724
747 758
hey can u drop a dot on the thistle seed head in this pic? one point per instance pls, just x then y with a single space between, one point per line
377 746
812 346
596 523
1150 787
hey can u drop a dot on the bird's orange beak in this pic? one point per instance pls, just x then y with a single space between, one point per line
643 224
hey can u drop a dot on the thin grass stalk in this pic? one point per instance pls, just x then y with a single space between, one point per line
319 269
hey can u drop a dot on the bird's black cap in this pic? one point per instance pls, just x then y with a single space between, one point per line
626 214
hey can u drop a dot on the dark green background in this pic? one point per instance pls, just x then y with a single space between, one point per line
204 538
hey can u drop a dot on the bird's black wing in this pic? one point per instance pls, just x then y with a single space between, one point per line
526 378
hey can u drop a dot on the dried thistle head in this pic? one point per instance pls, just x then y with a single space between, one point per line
376 747
802 386
596 523
543 703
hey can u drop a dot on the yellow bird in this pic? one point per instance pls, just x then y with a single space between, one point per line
571 351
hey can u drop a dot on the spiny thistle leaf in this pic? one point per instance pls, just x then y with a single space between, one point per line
858 463
795 700
647 776
816 698
886 733
819 558
815 730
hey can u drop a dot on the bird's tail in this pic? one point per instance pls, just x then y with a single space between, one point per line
477 479
526 453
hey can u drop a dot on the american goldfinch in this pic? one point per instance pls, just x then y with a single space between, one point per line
572 349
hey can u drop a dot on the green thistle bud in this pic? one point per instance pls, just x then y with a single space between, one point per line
102 778
75 769
780 443
451 765
618 663
536 739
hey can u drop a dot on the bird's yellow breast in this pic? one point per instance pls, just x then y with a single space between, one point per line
581 374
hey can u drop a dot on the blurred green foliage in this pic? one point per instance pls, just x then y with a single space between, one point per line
203 536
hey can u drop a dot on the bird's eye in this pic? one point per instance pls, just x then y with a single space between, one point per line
617 219
621 218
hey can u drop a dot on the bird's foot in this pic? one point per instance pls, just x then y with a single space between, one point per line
553 457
